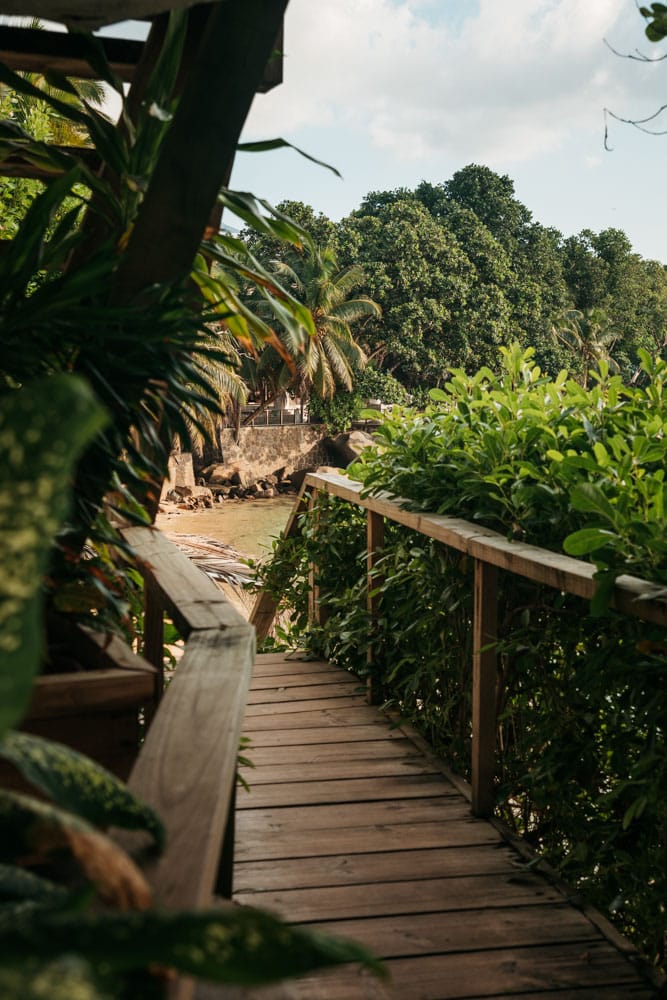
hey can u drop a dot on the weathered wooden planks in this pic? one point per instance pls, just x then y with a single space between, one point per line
288 693
546 971
396 861
187 765
331 769
361 790
316 753
253 877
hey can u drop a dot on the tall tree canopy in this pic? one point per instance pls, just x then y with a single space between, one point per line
461 266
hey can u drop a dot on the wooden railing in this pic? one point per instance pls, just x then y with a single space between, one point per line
186 769
490 552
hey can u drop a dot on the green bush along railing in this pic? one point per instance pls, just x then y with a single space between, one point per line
540 676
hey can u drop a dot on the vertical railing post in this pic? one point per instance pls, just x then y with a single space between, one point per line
224 885
484 679
317 612
154 632
374 550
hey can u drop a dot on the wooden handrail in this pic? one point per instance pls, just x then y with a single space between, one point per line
490 551
632 596
186 769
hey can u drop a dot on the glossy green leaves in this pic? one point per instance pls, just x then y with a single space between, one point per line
656 15
542 460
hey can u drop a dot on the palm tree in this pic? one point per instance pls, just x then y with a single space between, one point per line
41 120
588 334
331 355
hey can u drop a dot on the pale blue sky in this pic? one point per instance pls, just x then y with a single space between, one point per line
393 92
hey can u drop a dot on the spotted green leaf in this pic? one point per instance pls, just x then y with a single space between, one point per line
44 833
43 428
79 784
18 883
236 945
67 978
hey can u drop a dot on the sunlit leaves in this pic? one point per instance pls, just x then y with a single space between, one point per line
65 978
544 458
656 15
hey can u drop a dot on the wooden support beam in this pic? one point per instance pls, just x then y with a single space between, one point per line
188 595
632 596
484 680
198 151
224 885
40 51
374 550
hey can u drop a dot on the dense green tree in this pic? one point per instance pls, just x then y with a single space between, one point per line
603 272
491 197
370 383
513 276
460 267
418 273
585 272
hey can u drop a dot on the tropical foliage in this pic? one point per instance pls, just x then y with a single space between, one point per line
582 710
94 379
331 356
158 359
461 267
96 936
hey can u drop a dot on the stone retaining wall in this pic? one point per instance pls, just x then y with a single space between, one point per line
263 450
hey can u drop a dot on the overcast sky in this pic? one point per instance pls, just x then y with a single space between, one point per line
393 92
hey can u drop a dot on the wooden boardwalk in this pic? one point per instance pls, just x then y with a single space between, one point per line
353 827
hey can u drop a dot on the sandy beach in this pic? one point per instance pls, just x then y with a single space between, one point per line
221 539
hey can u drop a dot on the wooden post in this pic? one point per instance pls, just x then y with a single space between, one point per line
374 550
224 885
154 631
484 679
317 614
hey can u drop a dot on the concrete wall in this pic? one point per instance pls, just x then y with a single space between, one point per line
262 450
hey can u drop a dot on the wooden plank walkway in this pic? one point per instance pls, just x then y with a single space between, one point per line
351 826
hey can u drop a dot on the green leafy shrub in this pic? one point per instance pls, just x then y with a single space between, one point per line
339 411
543 461
581 698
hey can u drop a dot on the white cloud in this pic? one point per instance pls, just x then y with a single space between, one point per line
502 81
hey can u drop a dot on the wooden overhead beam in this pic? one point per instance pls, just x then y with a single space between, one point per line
88 15
29 50
33 50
